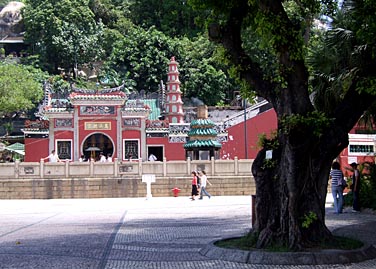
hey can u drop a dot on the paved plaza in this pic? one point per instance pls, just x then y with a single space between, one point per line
138 233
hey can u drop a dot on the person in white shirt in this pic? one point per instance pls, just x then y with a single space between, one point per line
53 157
204 181
152 158
102 158
109 158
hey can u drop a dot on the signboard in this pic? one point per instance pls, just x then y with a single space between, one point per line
148 178
97 125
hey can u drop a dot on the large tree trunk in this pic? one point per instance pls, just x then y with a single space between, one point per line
291 188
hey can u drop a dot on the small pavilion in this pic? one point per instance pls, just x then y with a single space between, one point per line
202 138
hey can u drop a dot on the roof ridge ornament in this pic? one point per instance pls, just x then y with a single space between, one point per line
96 91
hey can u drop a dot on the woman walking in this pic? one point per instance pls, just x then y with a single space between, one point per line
204 181
336 176
355 187
194 185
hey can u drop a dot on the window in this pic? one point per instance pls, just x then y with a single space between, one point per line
130 149
204 154
174 120
361 149
59 123
64 149
174 109
173 98
173 87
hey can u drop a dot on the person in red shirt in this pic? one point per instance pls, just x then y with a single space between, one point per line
194 185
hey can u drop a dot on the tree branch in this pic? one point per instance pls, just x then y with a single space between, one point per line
289 99
229 36
352 107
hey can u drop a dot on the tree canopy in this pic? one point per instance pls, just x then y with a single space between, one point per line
133 39
174 18
20 88
63 33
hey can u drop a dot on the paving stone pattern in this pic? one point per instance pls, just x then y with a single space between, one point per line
138 233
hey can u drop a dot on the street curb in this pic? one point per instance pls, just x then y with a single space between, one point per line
322 257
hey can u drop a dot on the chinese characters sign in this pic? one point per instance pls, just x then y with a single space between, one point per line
97 125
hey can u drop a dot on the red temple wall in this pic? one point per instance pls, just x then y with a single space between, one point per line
264 123
36 148
172 151
64 135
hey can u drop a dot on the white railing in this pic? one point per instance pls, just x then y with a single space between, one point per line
123 169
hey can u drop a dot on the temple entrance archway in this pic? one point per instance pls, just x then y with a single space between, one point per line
96 143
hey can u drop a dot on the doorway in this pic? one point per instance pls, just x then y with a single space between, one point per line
96 143
157 151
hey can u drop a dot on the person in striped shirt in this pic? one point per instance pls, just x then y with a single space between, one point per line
336 176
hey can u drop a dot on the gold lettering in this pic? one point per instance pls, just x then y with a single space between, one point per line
97 126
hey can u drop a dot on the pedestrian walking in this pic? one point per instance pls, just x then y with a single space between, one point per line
355 187
204 182
336 176
194 185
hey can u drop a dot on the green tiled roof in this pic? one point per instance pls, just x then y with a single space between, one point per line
202 122
202 144
202 132
155 110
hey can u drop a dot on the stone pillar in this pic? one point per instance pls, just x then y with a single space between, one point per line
189 166
116 167
76 141
236 166
17 168
212 166
119 132
41 168
164 166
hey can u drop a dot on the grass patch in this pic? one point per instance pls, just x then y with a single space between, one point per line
248 242
340 242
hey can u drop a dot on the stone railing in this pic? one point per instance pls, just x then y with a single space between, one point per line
33 180
117 169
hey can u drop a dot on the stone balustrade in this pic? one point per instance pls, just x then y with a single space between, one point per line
33 180
118 169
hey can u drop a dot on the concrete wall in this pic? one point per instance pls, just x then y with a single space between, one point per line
120 179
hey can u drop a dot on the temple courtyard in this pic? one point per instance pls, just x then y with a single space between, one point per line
169 232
